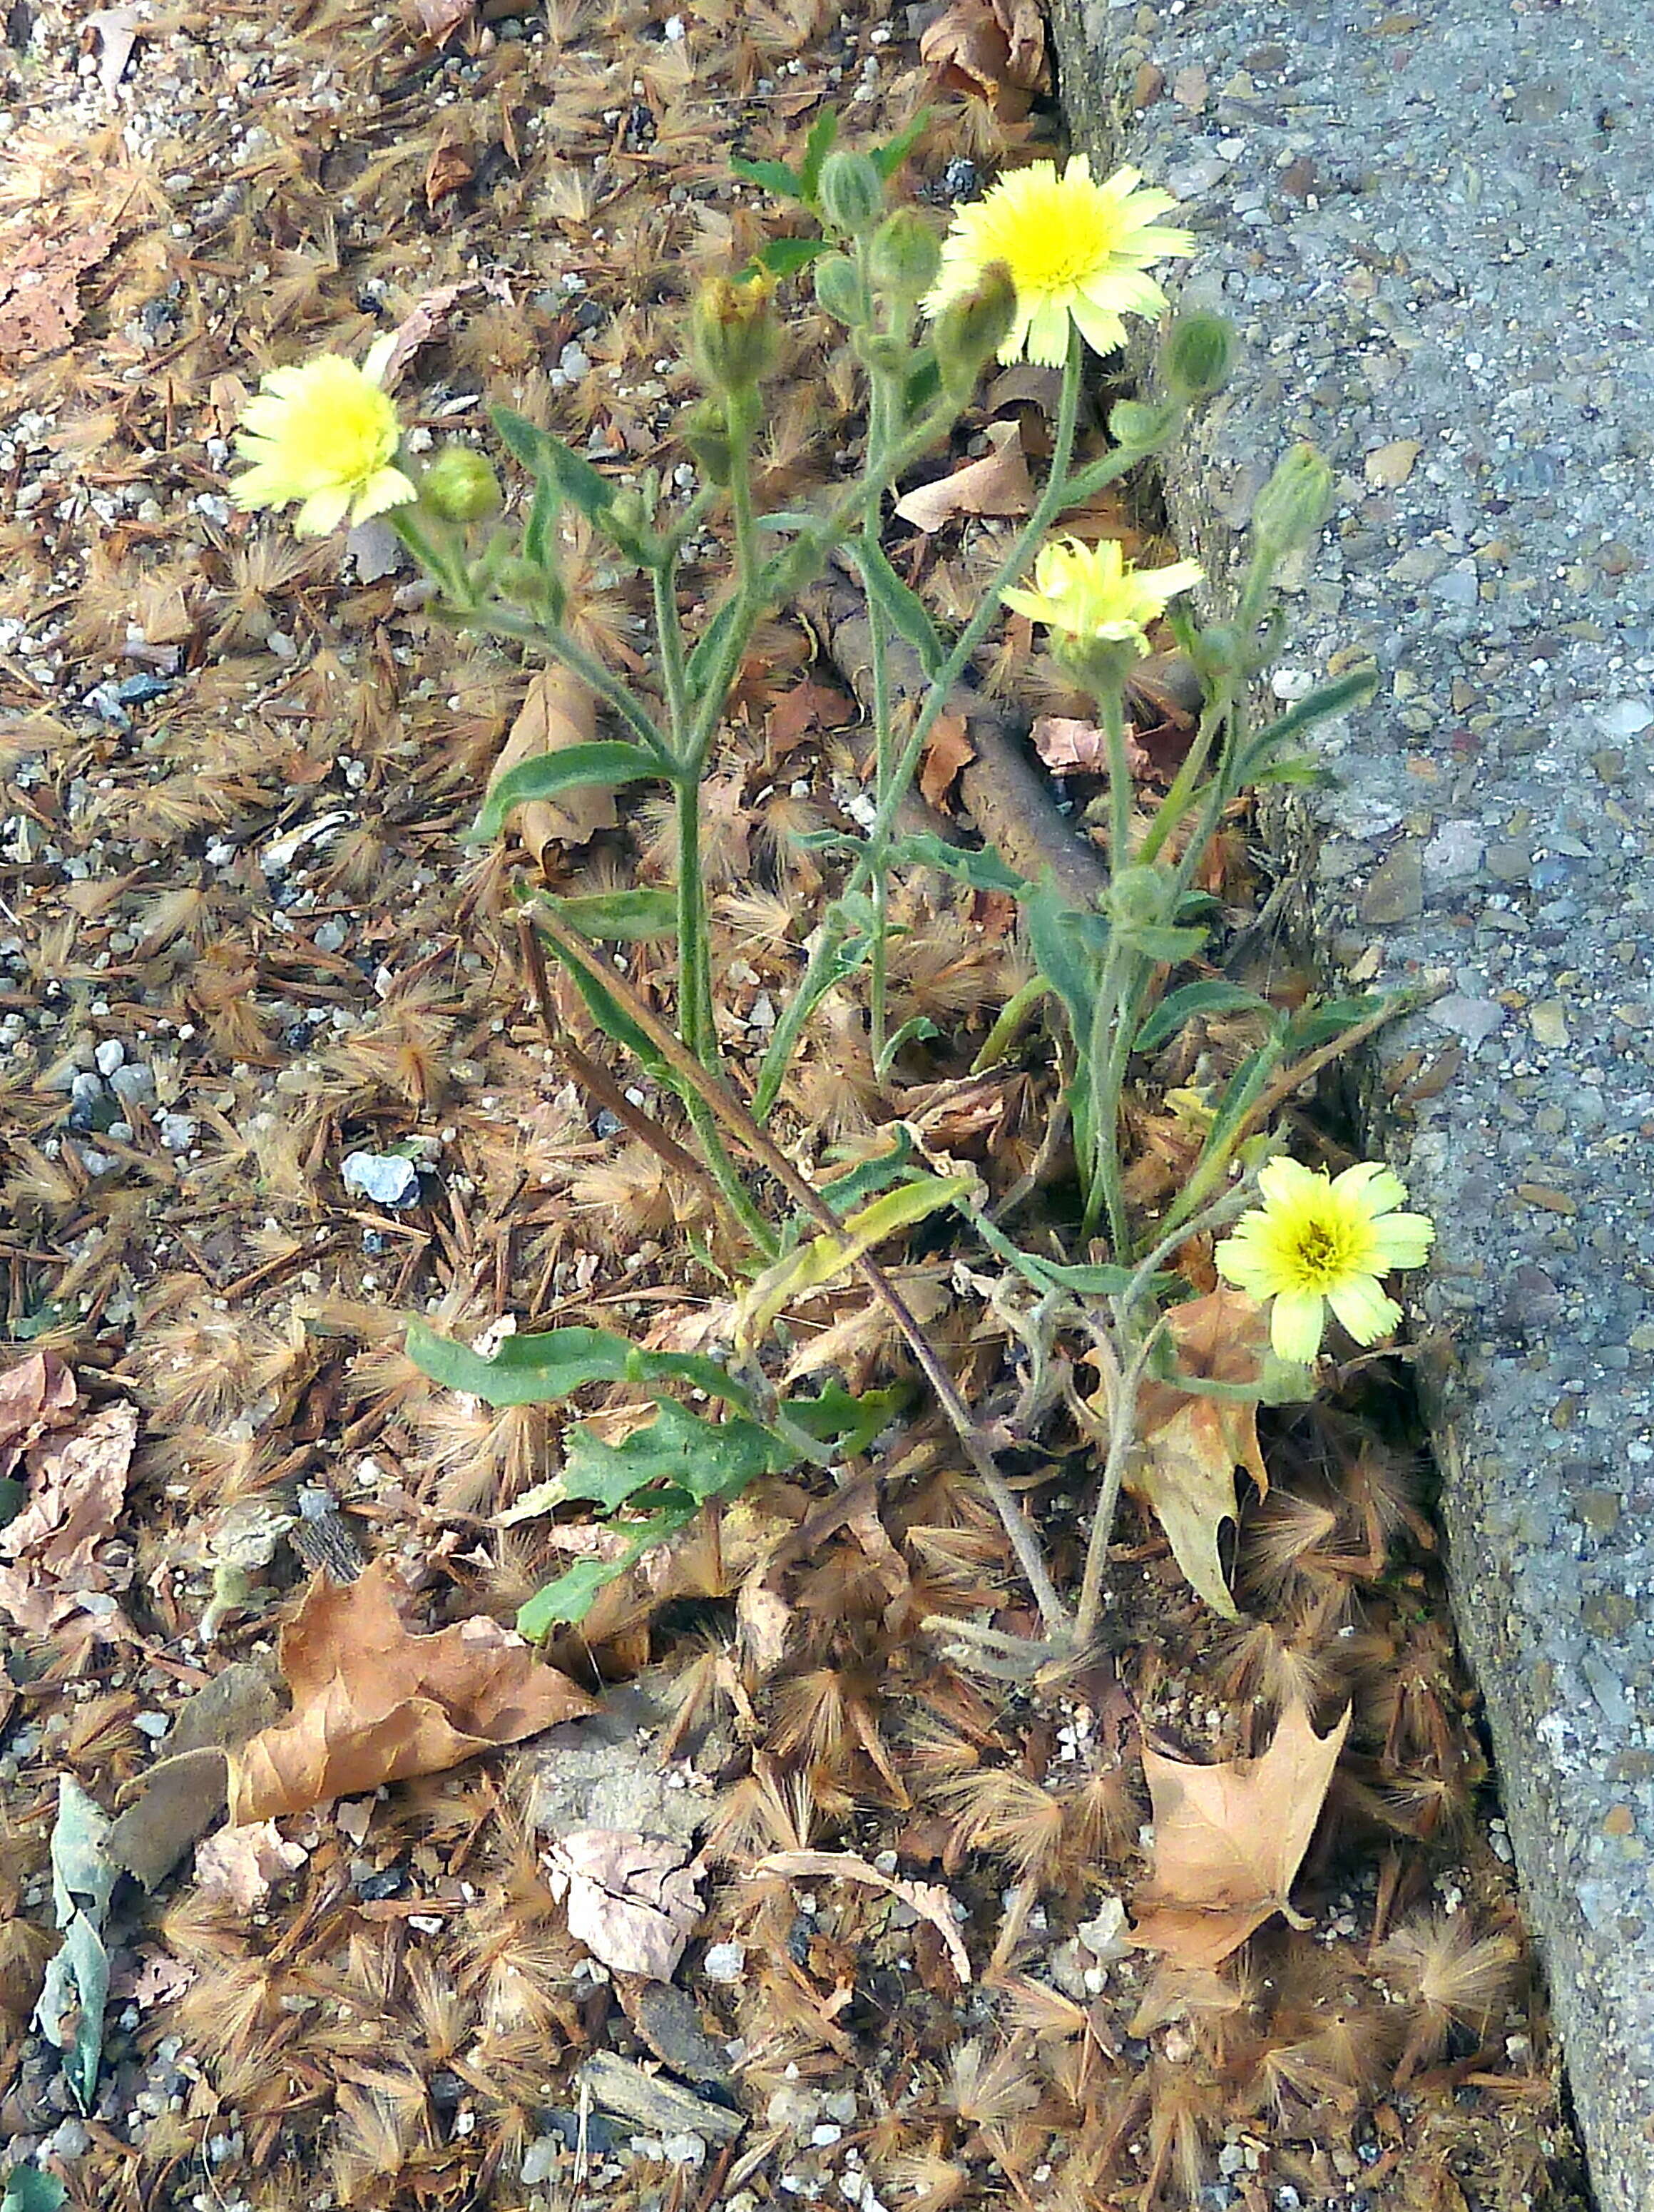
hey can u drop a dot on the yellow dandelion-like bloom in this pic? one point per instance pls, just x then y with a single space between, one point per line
1318 1241
1077 251
324 432
1092 591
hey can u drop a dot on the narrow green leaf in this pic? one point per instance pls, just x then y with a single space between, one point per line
1069 946
846 957
785 257
1322 1020
628 917
774 176
606 760
1100 1281
550 460
615 1022
918 1029
825 1258
1302 768
903 608
984 871
541 524
816 147
888 158
525 1370
1217 997
1339 698
872 1177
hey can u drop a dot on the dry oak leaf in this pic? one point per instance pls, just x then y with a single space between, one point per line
557 711
1190 1446
634 1900
1228 1840
999 484
373 1702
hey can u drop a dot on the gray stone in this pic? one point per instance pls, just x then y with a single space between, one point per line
1394 891
1485 294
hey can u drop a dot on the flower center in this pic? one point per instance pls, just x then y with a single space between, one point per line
1324 1253
1065 246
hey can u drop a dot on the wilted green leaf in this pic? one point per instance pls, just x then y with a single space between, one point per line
628 917
822 1261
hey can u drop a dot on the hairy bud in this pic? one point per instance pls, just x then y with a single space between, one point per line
460 486
1198 354
733 333
851 192
1296 500
839 290
705 433
905 257
1144 424
970 329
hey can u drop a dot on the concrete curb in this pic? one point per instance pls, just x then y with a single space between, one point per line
1430 229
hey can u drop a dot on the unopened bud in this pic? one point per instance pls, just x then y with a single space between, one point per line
851 192
527 584
733 332
838 288
1198 354
905 257
460 486
970 329
1141 897
1142 423
706 433
877 350
1296 500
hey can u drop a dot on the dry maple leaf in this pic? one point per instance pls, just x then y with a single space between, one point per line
999 484
1228 1840
374 1703
1190 1446
557 712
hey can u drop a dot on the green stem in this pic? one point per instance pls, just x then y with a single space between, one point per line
1173 806
590 669
1113 705
884 737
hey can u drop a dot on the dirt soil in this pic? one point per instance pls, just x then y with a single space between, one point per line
273 1078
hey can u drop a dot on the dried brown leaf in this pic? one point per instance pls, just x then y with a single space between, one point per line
239 1866
1068 746
557 711
632 1899
39 288
1228 1840
374 1703
949 750
77 1486
999 484
993 48
928 1898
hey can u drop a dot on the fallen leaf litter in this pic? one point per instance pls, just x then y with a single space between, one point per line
243 957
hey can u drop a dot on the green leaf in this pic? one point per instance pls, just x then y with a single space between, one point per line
872 1177
551 461
822 1261
888 158
842 960
525 1370
569 1597
1159 942
902 609
984 871
1244 1086
628 917
12 1494
816 147
838 1416
32 2189
1338 697
918 1029
785 257
710 645
774 176
542 523
1217 997
1292 769
1069 946
704 1458
615 1022
1103 1280
1322 1020
606 760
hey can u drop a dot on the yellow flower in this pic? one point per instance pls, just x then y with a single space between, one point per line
1319 1241
1089 592
1076 251
324 432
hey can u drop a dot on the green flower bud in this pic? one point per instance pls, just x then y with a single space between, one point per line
1141 898
526 584
705 432
851 192
1198 354
460 486
1296 500
838 288
970 329
905 257
1142 423
876 349
733 333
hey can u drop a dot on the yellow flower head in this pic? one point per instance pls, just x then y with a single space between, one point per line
1076 251
1319 1241
1089 592
324 432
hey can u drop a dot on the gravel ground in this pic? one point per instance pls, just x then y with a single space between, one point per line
1430 229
